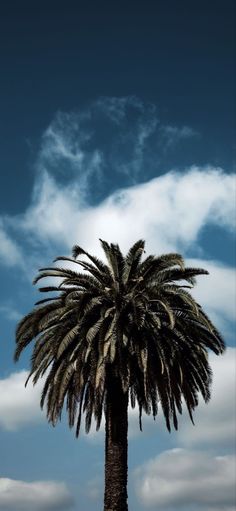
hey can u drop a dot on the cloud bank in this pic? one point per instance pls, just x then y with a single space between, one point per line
182 479
33 496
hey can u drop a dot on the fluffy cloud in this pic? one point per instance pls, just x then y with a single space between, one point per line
182 479
19 405
173 220
33 496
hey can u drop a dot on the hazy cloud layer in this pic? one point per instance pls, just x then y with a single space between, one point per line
33 496
182 479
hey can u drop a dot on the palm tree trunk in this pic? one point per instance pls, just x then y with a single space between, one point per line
116 448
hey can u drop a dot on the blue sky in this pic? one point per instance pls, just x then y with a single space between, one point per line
117 121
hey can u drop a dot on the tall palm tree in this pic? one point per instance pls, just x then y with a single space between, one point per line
128 330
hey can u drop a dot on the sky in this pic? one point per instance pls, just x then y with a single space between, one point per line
117 121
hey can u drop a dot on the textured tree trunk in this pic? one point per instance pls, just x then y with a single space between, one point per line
116 448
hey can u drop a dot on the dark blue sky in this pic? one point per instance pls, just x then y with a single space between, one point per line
60 56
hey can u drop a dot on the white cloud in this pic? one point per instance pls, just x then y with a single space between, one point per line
166 211
182 479
19 406
173 219
53 214
33 496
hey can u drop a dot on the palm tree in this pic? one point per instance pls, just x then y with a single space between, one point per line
128 330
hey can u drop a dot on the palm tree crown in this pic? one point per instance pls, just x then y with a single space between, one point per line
130 317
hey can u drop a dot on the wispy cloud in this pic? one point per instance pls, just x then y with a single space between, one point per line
112 137
33 496
172 135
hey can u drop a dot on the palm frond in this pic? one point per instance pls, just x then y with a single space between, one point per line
129 318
